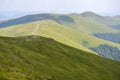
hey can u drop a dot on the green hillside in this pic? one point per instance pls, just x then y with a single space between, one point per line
75 21
73 30
83 24
54 30
113 22
39 58
45 28
88 26
58 32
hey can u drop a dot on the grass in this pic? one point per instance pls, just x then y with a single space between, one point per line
106 20
39 58
58 32
87 25
46 28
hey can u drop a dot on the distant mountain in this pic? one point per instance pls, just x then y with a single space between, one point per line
90 14
74 21
26 19
117 17
40 58
113 22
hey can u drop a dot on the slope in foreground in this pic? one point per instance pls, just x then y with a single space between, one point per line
39 58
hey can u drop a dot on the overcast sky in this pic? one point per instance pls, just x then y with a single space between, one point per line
105 7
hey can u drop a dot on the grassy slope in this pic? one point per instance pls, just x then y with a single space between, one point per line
109 21
46 28
76 21
87 25
58 32
117 18
38 58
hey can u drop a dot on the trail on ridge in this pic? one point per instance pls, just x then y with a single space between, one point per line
37 27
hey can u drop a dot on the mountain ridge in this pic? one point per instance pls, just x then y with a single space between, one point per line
73 30
33 17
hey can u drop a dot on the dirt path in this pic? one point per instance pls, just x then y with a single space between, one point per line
37 27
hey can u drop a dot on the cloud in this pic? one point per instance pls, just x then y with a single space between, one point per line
61 6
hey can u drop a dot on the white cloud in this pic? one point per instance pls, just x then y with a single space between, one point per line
98 6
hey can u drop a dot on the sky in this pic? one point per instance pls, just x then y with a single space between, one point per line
23 7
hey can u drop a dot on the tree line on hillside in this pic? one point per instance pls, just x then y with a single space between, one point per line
108 51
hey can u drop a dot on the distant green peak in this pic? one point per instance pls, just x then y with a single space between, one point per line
89 13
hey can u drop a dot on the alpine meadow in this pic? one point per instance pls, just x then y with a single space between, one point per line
59 40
